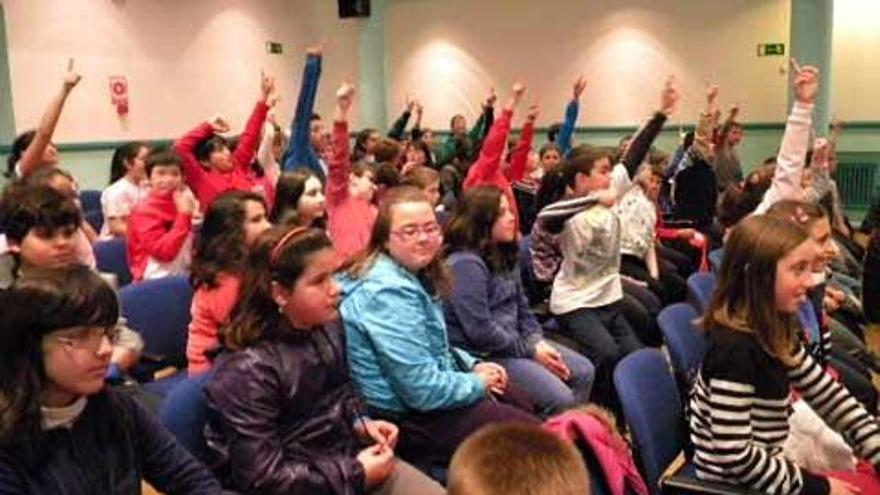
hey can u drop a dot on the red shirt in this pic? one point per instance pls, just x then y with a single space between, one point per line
349 220
206 183
486 171
155 230
210 310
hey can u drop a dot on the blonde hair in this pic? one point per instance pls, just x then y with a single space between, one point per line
517 458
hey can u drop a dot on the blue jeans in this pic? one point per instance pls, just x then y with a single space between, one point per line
549 393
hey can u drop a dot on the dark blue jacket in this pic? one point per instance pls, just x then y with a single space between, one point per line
300 152
110 448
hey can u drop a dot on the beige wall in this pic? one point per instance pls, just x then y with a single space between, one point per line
450 52
184 60
855 64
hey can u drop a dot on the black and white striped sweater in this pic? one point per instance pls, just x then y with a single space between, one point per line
739 408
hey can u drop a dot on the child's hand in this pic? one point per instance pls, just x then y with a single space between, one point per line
711 94
267 88
184 203
344 96
579 86
219 125
551 359
71 78
379 432
534 109
378 462
491 99
419 108
733 111
315 50
669 96
806 82
840 487
518 91
410 103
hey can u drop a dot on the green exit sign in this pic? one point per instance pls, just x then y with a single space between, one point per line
273 47
771 49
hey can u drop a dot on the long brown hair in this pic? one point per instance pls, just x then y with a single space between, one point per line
280 255
435 277
470 228
745 295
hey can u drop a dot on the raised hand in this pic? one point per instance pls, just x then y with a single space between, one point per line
711 94
410 103
219 125
491 99
344 97
806 82
733 111
315 50
71 78
533 112
267 88
579 86
669 96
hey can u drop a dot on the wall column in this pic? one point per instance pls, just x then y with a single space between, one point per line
7 115
373 70
812 22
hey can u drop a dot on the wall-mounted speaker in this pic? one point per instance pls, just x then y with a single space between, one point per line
354 8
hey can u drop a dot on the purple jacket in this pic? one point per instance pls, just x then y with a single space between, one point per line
281 416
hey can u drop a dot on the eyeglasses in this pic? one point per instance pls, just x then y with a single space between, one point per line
88 338
412 232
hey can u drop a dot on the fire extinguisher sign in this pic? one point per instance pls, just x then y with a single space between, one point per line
119 93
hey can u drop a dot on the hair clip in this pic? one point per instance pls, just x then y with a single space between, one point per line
276 251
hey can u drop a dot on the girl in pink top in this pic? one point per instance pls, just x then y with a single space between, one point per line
350 209
232 223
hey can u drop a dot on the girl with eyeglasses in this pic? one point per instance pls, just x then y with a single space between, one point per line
398 347
61 430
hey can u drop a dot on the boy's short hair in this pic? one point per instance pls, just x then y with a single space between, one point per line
387 150
516 458
25 207
163 158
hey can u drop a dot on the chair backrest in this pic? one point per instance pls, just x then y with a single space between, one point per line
684 340
700 287
90 199
159 310
183 412
111 257
95 219
652 408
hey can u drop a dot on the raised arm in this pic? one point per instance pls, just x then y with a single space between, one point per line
185 146
398 129
300 152
247 144
563 140
32 157
339 167
489 162
484 123
520 156
792 156
416 133
641 144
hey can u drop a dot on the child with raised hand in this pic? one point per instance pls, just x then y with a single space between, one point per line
62 430
307 142
398 346
159 241
128 187
210 168
587 294
283 414
34 149
231 226
487 170
462 144
488 314
754 360
351 211
792 157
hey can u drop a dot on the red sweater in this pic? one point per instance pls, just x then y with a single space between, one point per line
155 230
349 220
206 183
486 171
210 310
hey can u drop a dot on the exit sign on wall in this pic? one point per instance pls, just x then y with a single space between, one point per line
273 47
771 49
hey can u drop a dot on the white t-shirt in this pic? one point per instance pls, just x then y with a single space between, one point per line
119 200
